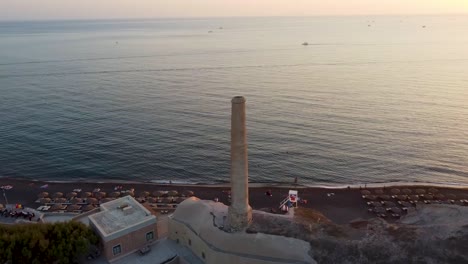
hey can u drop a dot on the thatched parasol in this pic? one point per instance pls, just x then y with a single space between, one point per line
92 200
152 200
451 196
100 195
379 210
105 200
384 197
379 191
173 193
180 199
45 200
88 207
389 204
188 193
370 197
85 194
414 197
76 200
57 195
395 191
58 207
365 192
402 197
60 200
439 196
420 191
73 207
144 194
114 194
433 190
166 200
158 193
406 204
71 195
43 195
406 191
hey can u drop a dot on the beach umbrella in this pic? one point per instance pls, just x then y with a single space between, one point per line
144 194
451 196
105 200
365 192
57 195
428 197
180 199
43 195
395 191
60 200
406 204
45 200
379 210
92 200
85 194
100 195
158 193
370 197
406 191
166 200
76 200
73 207
384 197
433 190
88 207
188 193
402 197
71 195
57 207
173 193
439 196
414 197
420 191
396 210
152 200
114 194
379 191
389 204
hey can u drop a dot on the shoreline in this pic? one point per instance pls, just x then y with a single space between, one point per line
254 184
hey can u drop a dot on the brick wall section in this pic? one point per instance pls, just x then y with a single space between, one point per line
129 243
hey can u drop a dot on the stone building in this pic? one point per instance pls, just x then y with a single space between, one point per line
124 226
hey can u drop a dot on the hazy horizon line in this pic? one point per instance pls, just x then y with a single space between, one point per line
229 17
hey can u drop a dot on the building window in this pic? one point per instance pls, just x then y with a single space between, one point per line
190 242
149 236
117 250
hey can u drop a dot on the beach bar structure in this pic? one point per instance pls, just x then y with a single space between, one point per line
124 226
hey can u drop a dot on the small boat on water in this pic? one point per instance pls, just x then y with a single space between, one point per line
305 44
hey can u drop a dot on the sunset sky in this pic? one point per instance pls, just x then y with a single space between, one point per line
104 9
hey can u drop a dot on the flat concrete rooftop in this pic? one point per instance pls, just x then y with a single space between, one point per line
119 215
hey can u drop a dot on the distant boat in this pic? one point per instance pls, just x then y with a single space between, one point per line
210 31
220 27
305 44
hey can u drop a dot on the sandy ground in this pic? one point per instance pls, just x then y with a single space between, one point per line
342 207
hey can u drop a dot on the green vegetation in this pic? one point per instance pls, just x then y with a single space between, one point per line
45 243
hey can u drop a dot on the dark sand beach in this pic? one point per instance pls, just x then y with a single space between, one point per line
344 206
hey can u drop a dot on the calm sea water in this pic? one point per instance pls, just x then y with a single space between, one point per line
371 99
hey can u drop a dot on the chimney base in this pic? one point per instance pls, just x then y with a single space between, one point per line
238 220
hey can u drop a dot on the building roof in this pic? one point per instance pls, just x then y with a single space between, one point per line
121 216
204 218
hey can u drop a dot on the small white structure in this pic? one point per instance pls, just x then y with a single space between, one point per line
290 201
